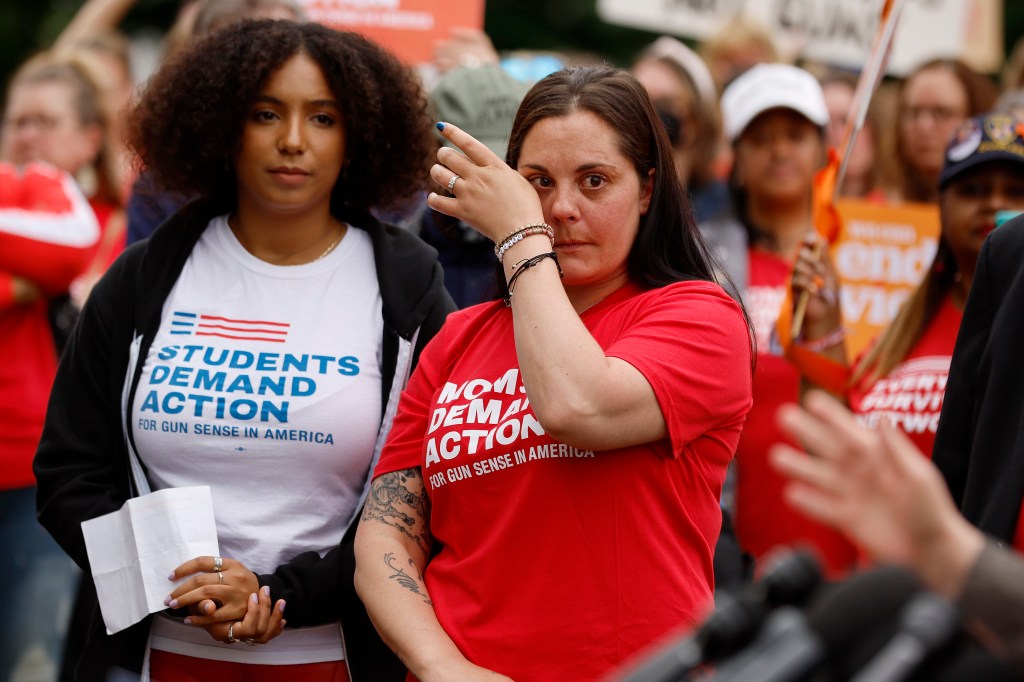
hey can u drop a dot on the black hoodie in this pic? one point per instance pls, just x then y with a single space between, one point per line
82 464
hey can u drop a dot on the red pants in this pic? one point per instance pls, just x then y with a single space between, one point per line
168 667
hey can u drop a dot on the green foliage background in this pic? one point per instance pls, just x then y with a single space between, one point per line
27 26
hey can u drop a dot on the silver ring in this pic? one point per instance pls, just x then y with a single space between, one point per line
231 634
250 641
451 183
218 564
220 577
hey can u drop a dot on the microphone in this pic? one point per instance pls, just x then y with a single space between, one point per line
788 579
927 624
792 646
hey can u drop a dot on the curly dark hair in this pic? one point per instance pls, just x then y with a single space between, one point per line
187 125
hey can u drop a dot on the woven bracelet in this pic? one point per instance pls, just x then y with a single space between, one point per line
524 265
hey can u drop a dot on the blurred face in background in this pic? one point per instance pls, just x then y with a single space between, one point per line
41 124
671 95
932 106
838 99
969 203
777 155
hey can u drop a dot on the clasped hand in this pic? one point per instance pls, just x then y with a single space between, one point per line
228 603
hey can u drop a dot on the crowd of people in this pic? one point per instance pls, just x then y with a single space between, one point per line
481 362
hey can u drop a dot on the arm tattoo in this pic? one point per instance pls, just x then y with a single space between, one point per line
414 583
399 499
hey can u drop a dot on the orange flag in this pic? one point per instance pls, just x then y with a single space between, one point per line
826 373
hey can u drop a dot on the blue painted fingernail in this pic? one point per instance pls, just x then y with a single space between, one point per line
280 606
188 621
171 576
252 597
173 603
266 590
441 125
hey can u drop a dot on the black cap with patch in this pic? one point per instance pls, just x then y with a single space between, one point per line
983 139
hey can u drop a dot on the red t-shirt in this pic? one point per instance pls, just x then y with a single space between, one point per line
47 233
910 396
556 563
764 521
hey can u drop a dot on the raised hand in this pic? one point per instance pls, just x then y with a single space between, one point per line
487 194
814 273
464 47
877 488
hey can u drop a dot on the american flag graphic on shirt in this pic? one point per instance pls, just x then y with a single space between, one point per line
191 324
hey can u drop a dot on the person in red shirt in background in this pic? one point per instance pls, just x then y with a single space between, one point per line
902 376
47 235
55 113
775 116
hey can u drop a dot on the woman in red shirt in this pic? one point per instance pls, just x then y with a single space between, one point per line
558 457
775 117
52 115
55 113
902 376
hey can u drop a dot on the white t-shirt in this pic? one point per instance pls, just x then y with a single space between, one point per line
264 383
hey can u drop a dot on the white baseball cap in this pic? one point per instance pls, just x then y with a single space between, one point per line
771 86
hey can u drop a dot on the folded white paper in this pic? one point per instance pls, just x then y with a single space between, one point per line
133 550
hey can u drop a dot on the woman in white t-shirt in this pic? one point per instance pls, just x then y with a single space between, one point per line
255 344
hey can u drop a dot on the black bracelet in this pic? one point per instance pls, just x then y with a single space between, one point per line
524 265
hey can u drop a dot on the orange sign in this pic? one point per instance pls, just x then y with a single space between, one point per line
409 28
881 257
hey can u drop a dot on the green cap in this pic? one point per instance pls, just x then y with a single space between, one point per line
482 100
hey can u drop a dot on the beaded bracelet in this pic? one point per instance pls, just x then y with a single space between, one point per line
833 338
524 265
516 231
506 242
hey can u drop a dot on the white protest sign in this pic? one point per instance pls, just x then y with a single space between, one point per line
835 32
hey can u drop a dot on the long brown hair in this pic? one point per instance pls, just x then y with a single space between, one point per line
913 318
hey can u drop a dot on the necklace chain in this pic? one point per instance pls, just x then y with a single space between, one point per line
323 255
329 248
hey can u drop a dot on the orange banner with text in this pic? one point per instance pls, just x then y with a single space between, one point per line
409 28
883 254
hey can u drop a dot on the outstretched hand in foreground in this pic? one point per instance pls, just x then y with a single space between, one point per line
877 488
